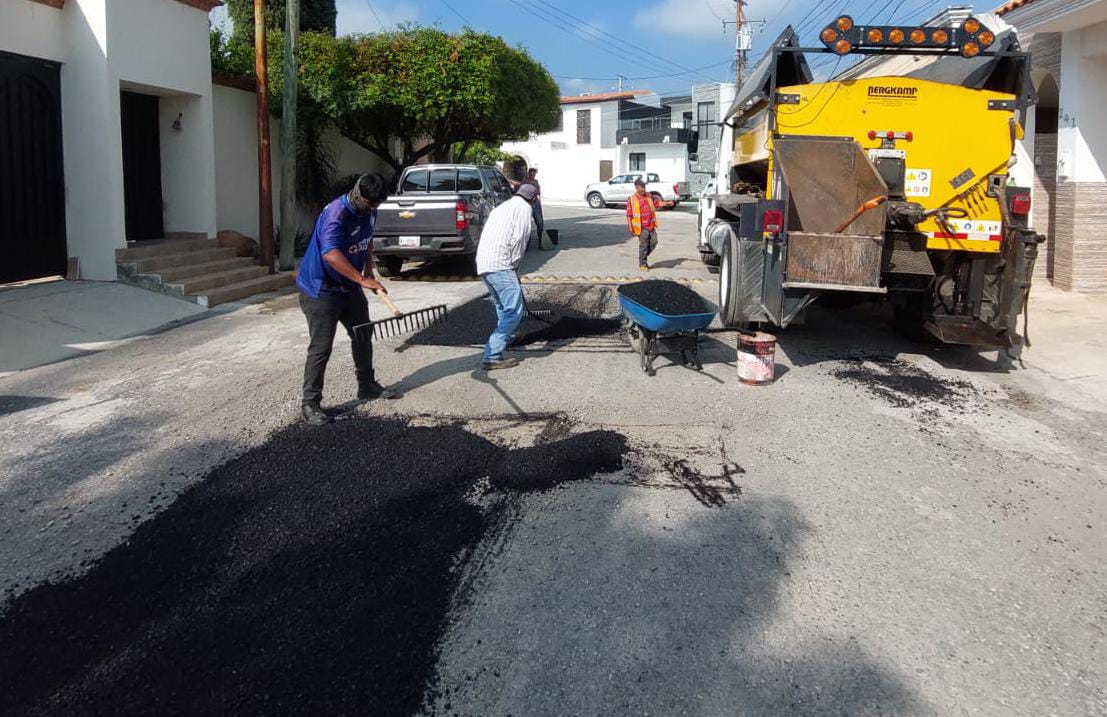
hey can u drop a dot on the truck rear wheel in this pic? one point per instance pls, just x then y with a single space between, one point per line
730 282
595 200
709 257
389 266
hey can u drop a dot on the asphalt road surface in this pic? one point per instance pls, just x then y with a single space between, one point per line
892 527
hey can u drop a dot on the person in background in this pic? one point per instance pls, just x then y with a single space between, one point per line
337 267
539 220
501 248
642 221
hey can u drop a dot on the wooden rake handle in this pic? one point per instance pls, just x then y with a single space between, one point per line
383 296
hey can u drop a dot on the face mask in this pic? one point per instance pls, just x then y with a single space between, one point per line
359 203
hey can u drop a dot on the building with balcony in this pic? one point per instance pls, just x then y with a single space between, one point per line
675 137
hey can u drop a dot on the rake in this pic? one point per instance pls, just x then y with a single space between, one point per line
401 323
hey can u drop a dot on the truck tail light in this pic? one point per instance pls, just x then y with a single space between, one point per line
773 221
1020 204
462 220
676 189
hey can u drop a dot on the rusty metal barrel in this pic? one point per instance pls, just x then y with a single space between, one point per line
756 358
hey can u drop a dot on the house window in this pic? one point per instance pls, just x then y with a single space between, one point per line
637 161
687 120
705 119
560 121
584 126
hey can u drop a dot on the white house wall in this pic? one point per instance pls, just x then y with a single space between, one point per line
669 161
32 29
236 162
565 168
91 142
1082 134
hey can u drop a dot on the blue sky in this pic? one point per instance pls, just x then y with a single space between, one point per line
663 45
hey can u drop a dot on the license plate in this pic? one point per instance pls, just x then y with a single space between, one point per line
410 241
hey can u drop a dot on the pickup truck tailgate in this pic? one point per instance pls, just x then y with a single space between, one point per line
417 216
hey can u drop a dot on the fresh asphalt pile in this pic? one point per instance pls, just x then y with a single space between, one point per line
578 312
312 574
668 298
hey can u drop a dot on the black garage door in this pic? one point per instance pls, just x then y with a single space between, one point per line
32 191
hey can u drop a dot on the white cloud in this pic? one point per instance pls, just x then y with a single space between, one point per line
356 16
691 18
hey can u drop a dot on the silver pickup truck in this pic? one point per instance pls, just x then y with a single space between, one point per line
617 190
438 210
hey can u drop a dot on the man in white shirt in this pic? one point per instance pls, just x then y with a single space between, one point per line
502 243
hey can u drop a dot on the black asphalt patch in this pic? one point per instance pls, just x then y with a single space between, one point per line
666 297
578 312
314 574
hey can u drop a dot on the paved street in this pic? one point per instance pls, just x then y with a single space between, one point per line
891 527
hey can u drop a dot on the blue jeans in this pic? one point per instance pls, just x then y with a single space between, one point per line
508 295
539 220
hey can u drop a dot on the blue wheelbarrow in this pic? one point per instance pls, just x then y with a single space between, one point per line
653 334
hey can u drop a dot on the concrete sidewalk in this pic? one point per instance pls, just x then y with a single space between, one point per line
46 322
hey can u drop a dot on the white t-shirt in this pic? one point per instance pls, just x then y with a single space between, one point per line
505 236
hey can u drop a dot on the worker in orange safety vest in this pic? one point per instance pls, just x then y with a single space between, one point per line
642 221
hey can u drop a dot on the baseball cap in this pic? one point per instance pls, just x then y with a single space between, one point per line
527 192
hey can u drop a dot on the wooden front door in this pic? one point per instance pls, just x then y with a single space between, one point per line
32 189
142 198
607 169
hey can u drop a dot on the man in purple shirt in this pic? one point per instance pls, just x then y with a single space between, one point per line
336 269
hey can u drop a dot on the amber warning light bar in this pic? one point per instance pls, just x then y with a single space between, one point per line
843 36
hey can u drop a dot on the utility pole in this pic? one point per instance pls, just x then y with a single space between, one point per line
265 170
739 35
289 135
621 79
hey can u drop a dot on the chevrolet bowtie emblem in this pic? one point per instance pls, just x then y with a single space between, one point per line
407 215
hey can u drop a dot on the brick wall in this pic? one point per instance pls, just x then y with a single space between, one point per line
1044 200
1089 272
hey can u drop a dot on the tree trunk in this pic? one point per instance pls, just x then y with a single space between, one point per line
289 137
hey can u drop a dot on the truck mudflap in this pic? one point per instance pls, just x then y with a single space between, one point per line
1020 253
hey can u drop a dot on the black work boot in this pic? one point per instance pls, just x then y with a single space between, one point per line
501 363
313 415
371 391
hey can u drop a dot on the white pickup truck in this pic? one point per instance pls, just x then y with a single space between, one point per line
617 190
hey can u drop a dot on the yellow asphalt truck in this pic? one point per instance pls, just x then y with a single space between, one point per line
889 180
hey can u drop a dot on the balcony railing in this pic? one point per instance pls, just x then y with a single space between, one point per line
674 135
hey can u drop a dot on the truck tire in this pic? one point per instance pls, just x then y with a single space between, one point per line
729 283
389 266
709 258
595 200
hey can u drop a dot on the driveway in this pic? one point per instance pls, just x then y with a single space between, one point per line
891 527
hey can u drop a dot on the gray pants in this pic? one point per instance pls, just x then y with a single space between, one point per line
647 242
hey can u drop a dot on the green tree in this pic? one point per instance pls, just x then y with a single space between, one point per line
315 16
427 89
479 153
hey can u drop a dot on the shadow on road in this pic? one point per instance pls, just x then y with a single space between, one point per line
836 334
320 572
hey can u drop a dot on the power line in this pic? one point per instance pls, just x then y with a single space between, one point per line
455 12
647 77
375 15
560 12
554 21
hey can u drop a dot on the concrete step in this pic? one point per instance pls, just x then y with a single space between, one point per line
242 289
151 264
180 273
203 282
162 247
